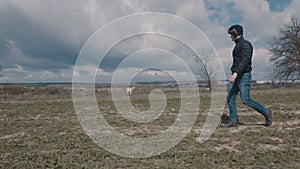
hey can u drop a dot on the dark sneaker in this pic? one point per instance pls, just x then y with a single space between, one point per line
229 125
268 118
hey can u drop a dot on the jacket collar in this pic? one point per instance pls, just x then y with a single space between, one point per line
239 39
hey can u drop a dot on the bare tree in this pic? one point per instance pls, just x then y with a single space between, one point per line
206 69
285 51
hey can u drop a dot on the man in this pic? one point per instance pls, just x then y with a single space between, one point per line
240 80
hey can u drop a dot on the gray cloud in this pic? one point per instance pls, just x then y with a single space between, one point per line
34 41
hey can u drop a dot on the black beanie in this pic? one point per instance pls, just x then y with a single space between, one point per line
235 30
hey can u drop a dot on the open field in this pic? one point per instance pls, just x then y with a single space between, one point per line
39 129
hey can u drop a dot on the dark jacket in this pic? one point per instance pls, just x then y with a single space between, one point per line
242 56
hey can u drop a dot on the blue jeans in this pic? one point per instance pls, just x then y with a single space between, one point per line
242 84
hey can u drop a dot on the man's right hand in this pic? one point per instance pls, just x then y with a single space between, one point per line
232 77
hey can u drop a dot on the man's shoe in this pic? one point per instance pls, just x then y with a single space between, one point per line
268 118
230 124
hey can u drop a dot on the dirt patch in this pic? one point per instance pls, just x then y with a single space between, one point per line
14 135
229 147
271 147
280 140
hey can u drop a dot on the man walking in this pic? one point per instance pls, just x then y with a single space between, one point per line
240 80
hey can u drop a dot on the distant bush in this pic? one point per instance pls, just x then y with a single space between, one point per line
36 90
12 90
51 90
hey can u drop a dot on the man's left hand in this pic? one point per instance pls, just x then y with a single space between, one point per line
232 77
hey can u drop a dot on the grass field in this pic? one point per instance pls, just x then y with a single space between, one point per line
39 129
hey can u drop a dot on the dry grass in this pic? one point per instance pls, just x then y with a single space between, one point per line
39 129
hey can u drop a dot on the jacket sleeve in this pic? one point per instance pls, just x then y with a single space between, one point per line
246 57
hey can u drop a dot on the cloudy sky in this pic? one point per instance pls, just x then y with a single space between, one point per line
40 41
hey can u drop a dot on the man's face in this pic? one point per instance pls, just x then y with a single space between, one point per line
233 38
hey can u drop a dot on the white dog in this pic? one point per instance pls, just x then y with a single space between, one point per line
129 90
